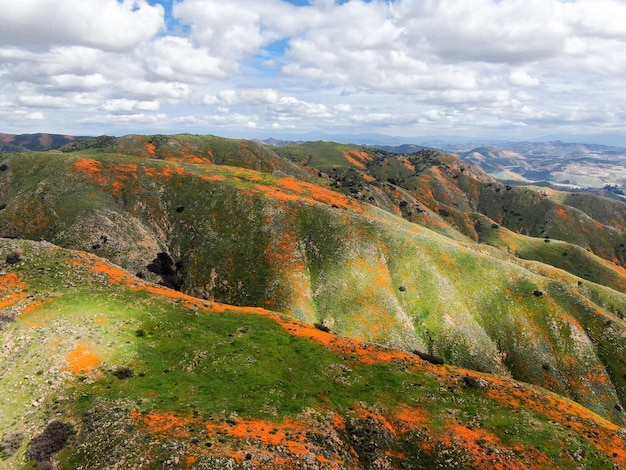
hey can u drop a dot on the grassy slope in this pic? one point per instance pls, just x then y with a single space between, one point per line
214 386
257 239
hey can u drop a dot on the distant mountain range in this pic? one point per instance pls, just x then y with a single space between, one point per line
33 142
574 165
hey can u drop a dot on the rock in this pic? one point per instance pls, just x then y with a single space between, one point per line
321 327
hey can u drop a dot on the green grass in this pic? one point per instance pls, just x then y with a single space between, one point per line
216 366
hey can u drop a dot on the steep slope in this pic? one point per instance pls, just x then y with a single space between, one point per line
449 196
258 239
107 370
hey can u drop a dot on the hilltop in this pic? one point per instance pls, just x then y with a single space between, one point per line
418 255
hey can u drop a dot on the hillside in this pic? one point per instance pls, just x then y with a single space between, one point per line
420 252
107 370
34 142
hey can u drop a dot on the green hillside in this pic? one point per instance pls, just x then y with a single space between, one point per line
105 369
418 252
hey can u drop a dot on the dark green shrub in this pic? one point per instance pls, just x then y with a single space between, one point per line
13 258
123 373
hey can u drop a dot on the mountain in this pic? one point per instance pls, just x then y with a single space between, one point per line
577 165
376 262
35 142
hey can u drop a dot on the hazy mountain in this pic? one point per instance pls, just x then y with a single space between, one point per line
578 165
398 260
35 142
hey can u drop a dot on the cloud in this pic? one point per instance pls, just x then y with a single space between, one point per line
519 77
105 24
369 65
175 58
268 105
125 106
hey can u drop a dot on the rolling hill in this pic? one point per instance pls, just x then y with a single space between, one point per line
519 291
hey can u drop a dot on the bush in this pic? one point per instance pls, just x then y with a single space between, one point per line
123 373
50 441
10 443
428 357
6 318
13 258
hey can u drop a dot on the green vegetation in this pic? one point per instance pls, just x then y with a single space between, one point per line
192 368
419 252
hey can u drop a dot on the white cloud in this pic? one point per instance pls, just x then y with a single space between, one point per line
175 58
78 82
124 106
43 101
106 24
36 116
342 108
519 77
409 65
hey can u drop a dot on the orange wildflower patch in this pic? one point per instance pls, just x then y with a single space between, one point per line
166 423
11 299
315 193
185 157
289 433
407 164
81 359
151 149
562 213
165 171
9 282
473 441
116 275
10 287
114 176
367 414
91 168
411 418
560 409
364 353
189 461
30 308
357 158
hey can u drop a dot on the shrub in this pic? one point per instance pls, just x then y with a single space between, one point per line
50 441
13 258
6 317
428 357
10 443
123 373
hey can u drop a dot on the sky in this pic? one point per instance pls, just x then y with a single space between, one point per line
498 69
